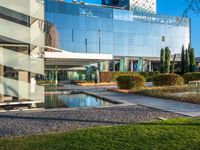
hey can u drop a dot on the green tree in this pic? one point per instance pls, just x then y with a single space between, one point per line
192 61
167 60
187 61
183 60
173 64
189 52
162 61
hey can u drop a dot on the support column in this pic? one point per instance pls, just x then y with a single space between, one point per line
107 65
131 65
97 78
113 68
121 65
140 65
88 72
126 65
149 66
101 66
56 75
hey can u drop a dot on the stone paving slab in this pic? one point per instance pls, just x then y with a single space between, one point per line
188 109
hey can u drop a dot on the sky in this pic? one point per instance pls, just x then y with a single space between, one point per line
175 8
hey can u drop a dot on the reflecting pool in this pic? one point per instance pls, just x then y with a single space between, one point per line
73 101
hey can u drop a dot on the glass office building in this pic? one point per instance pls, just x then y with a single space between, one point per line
21 47
138 38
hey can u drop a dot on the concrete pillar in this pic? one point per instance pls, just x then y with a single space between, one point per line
131 65
113 68
97 77
52 75
140 65
106 65
126 65
150 66
121 65
56 75
88 73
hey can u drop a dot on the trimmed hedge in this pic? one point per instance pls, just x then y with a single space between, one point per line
168 80
193 76
112 76
116 74
130 81
149 75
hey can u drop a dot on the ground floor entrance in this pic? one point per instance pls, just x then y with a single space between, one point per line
89 71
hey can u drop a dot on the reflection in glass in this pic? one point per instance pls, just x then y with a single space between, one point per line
123 33
51 36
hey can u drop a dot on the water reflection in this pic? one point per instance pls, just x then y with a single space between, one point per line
73 101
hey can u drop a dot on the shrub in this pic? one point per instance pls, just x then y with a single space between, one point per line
112 76
105 76
191 76
168 80
149 75
130 81
115 75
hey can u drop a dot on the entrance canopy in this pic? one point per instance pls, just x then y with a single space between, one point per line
69 59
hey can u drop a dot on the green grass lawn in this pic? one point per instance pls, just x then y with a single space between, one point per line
170 135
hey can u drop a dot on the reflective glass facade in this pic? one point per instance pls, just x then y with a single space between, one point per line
97 29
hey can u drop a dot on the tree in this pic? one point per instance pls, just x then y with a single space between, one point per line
193 5
187 61
173 64
162 61
183 60
167 60
192 61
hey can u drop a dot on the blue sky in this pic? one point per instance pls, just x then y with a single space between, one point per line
176 8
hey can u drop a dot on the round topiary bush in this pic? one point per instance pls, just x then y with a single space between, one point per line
117 74
193 76
168 80
130 81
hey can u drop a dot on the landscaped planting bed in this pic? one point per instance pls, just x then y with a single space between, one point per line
193 76
178 93
168 80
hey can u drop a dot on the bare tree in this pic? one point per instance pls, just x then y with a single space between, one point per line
193 6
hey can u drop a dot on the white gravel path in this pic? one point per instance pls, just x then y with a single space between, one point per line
31 123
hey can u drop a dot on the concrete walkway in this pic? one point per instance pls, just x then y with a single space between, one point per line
192 110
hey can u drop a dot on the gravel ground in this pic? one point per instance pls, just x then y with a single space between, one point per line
30 123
